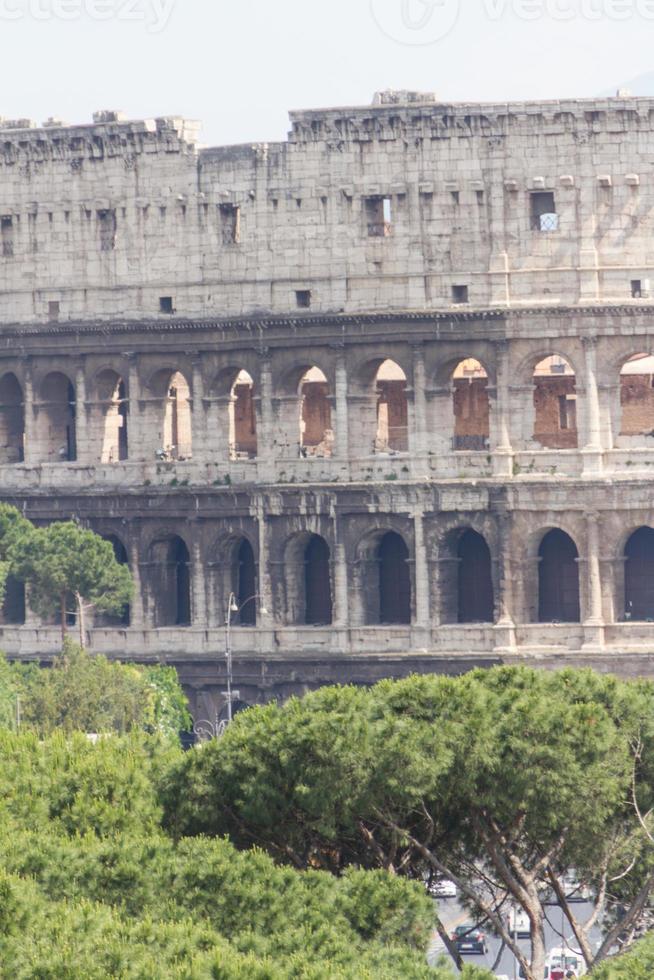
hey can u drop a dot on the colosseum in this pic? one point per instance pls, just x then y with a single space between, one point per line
390 383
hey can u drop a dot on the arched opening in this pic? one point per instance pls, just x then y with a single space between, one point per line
13 605
175 431
637 396
316 433
392 412
639 575
475 584
114 408
122 619
245 584
55 423
558 579
12 420
170 582
317 583
471 406
555 404
242 418
237 707
394 580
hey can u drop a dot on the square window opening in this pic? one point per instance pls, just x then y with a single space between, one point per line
303 298
166 304
543 211
459 294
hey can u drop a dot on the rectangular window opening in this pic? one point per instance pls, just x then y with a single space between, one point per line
166 304
636 288
303 298
543 211
480 197
567 412
53 309
7 235
459 294
378 212
107 224
456 197
230 223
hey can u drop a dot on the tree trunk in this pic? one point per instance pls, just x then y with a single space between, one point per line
63 616
80 620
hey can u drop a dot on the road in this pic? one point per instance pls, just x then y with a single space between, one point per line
453 915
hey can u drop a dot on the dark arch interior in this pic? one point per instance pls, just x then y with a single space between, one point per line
12 420
639 575
394 580
246 585
120 554
317 586
475 585
171 582
13 606
558 579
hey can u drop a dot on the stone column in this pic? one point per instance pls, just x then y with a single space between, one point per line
418 438
199 588
265 618
136 609
136 441
505 637
30 449
82 453
341 602
341 435
594 619
502 450
198 418
422 620
592 451
265 450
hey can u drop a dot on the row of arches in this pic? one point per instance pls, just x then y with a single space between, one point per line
308 409
382 577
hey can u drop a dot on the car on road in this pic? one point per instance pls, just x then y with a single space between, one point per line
561 960
442 888
469 939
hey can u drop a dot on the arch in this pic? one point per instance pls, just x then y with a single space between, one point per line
558 579
12 420
113 409
307 580
245 583
639 575
55 421
475 601
317 584
14 602
470 405
637 396
555 403
394 580
175 427
237 707
122 619
242 418
392 409
316 433
170 581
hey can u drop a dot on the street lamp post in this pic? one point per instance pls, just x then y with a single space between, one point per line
233 607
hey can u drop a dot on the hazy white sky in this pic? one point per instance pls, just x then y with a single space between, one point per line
239 65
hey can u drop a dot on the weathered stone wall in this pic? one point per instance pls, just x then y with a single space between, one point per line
142 275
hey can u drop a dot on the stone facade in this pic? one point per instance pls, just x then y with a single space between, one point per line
389 378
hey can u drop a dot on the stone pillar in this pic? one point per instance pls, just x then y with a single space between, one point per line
82 453
341 602
341 435
198 419
136 441
592 451
265 618
422 620
199 589
505 637
136 609
418 437
594 619
501 449
30 450
265 450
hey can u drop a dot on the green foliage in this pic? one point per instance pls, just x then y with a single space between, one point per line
91 887
88 693
635 965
